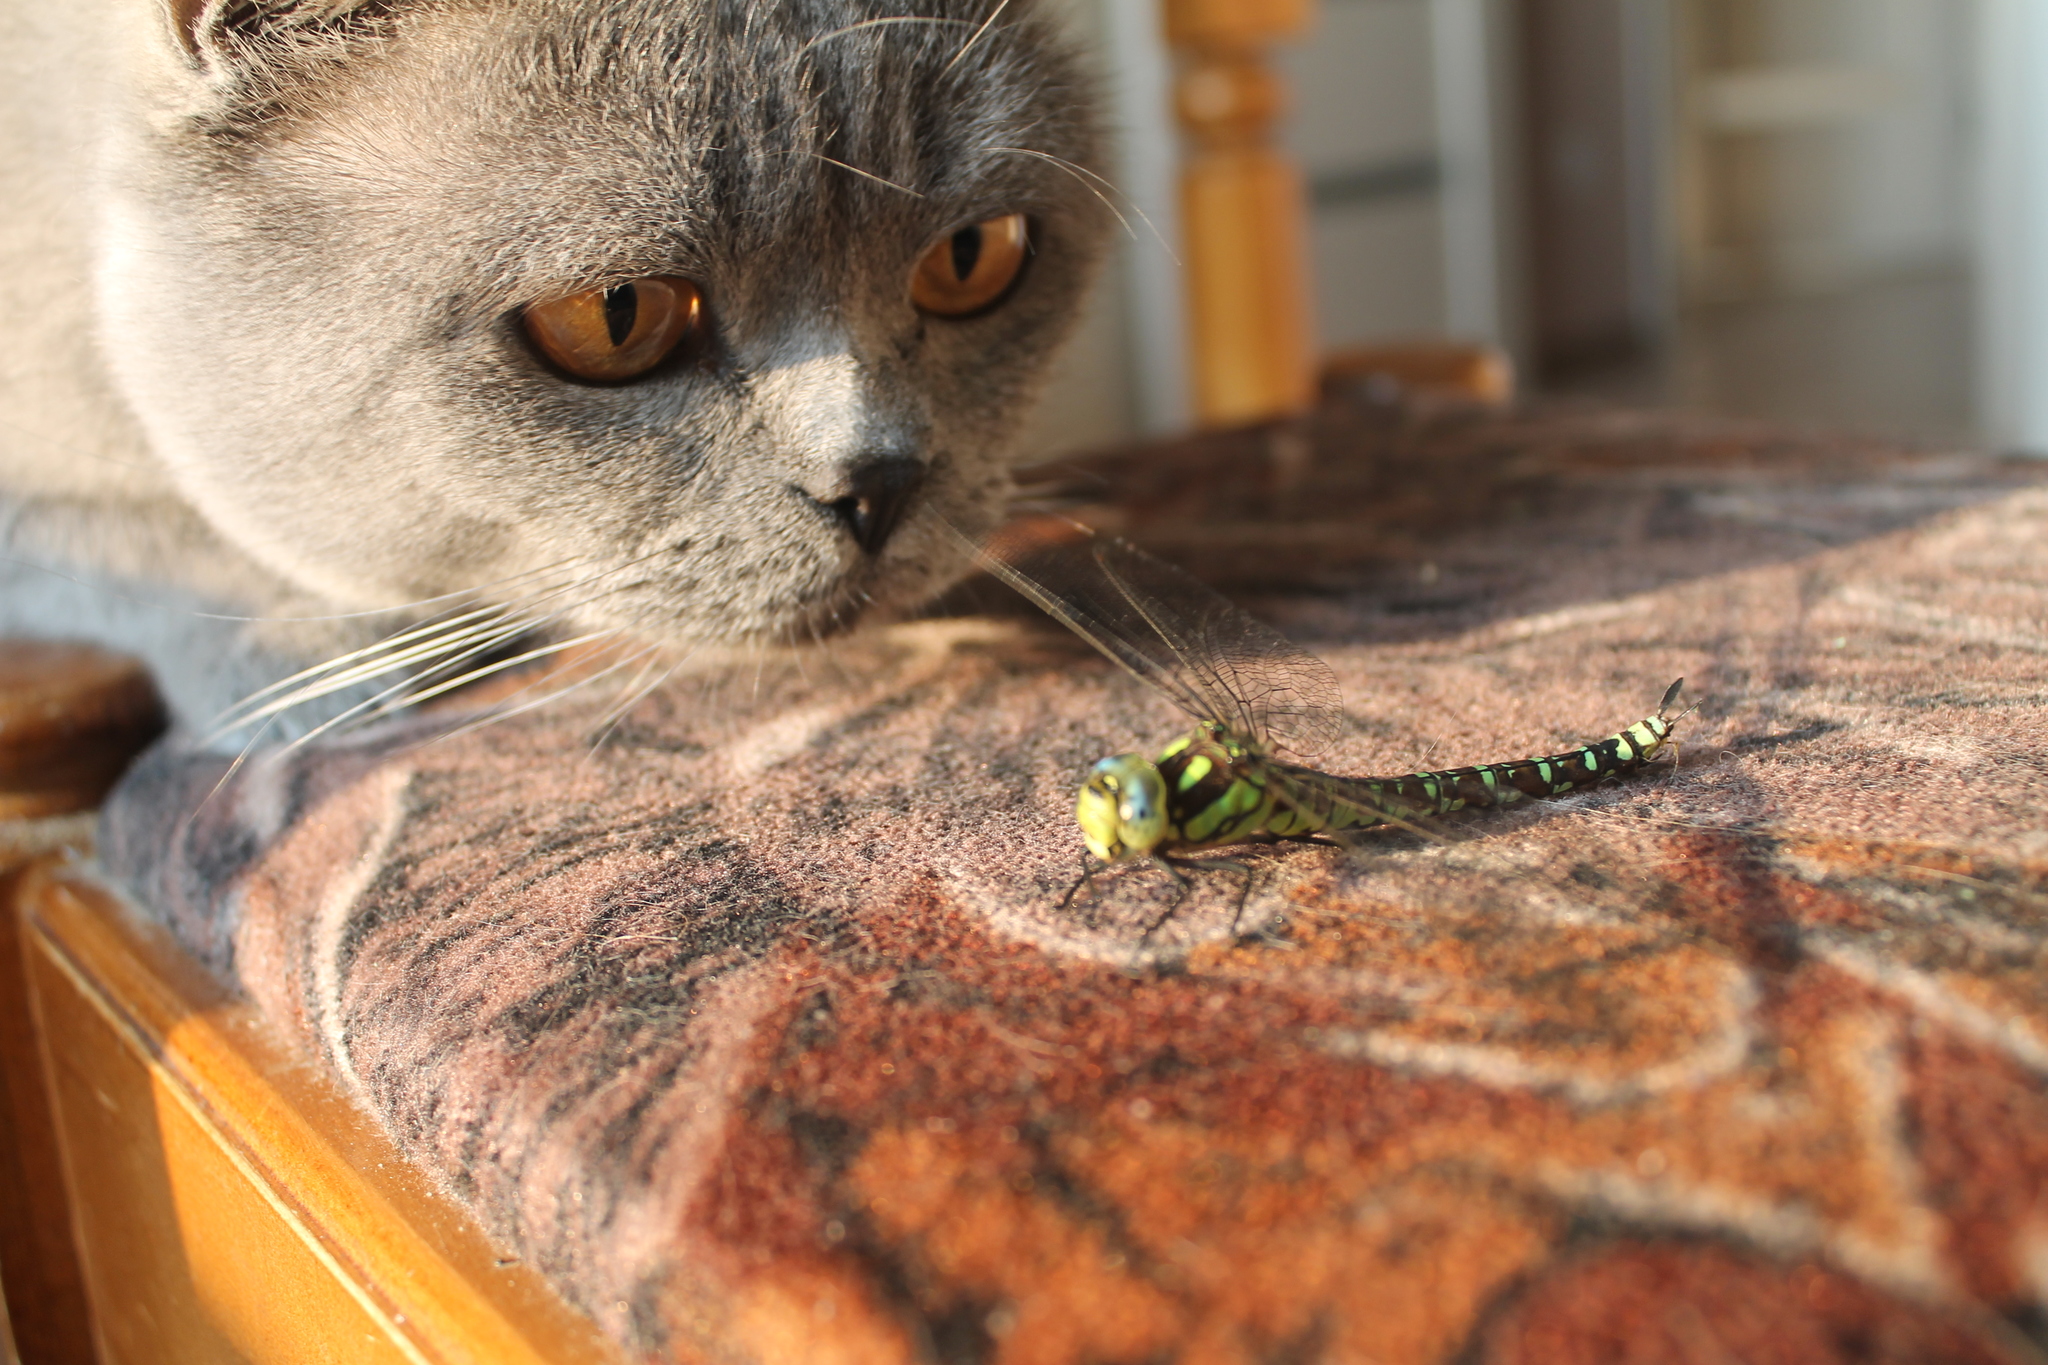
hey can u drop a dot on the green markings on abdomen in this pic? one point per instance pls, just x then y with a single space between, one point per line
1497 784
1232 793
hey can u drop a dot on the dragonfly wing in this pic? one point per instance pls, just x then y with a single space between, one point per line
1173 632
1278 692
1050 560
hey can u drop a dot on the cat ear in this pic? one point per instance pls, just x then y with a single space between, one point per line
216 29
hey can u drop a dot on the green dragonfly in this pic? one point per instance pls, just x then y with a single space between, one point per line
1254 696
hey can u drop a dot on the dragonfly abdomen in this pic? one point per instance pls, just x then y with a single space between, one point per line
1219 788
1340 803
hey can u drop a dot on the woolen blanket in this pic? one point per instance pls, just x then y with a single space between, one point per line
768 1021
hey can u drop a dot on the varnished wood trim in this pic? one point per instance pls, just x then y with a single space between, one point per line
39 1271
416 1264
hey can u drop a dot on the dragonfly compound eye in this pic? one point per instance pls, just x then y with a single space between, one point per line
1122 808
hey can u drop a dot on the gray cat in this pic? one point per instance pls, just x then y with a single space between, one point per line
688 321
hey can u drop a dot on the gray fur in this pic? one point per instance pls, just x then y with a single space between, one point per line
262 280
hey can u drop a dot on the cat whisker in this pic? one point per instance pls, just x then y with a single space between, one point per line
882 22
975 37
446 651
388 646
1096 185
634 691
437 635
397 696
448 640
817 641
480 638
501 628
434 682
828 648
414 698
525 625
382 704
497 714
456 596
867 175
820 641
444 654
625 708
233 767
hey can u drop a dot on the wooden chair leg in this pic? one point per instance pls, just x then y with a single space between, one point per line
1244 232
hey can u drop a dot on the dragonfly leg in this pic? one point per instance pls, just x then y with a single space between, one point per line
1183 888
1672 742
1244 895
1089 868
1203 864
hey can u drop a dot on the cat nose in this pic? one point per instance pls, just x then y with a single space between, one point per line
876 494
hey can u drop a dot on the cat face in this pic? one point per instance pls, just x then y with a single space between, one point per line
347 294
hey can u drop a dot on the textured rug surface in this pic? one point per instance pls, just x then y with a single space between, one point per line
755 1019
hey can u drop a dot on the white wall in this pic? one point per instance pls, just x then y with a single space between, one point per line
1865 105
1114 381
1364 128
2012 223
1474 65
1908 190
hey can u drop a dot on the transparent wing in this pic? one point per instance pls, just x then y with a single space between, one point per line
1172 632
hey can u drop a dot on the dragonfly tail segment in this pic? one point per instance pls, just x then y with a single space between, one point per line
1371 800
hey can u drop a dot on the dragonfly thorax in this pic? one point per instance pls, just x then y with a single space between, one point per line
1122 808
1203 789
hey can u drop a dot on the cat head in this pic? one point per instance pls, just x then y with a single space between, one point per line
707 316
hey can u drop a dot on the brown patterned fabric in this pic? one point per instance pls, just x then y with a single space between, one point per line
755 1019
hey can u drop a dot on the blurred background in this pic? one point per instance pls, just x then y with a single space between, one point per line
1825 212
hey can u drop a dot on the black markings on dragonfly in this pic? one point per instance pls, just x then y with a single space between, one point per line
1254 696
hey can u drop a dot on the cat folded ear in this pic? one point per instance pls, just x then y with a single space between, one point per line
212 30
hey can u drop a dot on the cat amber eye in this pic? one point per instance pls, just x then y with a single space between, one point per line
611 335
971 267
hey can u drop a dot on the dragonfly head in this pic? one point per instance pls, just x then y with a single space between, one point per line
1122 808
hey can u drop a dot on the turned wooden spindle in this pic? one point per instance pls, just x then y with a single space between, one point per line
1243 212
